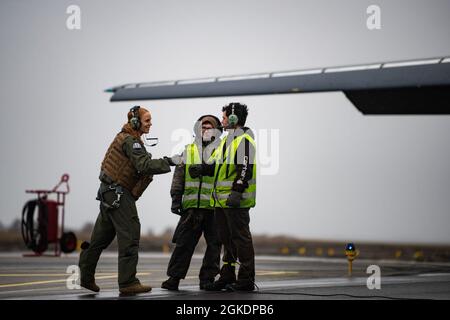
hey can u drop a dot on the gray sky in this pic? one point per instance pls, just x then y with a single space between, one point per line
341 175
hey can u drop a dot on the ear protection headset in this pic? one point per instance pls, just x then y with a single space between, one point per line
135 120
233 118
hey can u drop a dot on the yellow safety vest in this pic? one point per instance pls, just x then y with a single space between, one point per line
224 178
197 191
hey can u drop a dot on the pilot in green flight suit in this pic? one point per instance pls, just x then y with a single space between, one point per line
126 171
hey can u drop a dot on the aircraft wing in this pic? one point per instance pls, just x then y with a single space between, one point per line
403 87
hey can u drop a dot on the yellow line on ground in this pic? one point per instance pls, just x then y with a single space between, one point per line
10 285
46 274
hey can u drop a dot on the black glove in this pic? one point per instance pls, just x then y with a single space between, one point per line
195 170
234 199
176 205
173 161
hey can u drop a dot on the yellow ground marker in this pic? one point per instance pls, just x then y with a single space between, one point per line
418 255
302 251
10 285
78 247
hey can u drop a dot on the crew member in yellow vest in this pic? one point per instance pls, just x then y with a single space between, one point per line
126 171
233 195
191 199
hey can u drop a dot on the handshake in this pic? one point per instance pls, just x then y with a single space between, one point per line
174 160
195 170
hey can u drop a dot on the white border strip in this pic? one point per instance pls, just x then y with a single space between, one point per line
245 77
410 63
354 68
194 81
296 73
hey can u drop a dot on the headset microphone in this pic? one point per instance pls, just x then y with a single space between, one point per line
156 140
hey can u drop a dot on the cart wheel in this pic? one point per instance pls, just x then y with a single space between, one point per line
68 242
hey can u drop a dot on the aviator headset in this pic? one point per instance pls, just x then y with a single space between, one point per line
233 118
135 120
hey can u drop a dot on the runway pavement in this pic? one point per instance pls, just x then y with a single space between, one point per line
277 277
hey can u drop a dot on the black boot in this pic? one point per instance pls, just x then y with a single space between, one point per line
205 283
90 285
171 284
241 285
227 276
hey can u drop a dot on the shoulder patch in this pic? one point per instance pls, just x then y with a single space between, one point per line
137 146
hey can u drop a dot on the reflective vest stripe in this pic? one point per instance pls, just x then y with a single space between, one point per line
195 196
245 195
227 183
196 191
196 184
192 184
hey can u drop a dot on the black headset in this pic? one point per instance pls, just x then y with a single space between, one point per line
135 120
233 119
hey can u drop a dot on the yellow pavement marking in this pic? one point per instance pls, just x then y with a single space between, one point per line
46 274
58 281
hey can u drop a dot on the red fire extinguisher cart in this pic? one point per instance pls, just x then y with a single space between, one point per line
43 221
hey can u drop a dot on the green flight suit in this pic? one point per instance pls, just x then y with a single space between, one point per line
122 221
